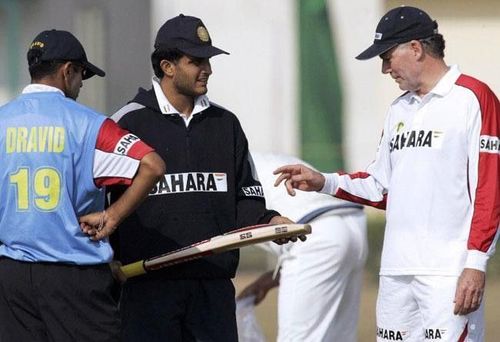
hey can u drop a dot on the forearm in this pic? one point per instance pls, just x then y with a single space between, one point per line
150 170
360 187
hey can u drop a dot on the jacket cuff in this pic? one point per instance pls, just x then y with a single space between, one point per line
331 183
476 260
268 215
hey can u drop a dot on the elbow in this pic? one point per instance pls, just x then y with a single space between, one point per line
158 168
155 165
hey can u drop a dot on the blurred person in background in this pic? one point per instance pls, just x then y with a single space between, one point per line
319 280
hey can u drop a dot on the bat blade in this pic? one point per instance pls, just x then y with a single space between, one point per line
218 244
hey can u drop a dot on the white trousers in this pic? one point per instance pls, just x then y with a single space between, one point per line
321 281
420 308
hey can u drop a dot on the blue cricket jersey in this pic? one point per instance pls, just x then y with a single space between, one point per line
47 144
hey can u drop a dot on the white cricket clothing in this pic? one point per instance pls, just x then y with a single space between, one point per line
420 308
438 167
321 278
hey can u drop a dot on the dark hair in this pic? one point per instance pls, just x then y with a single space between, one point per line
434 45
39 69
172 55
44 69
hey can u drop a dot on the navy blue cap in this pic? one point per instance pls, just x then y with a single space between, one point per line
188 35
56 45
400 25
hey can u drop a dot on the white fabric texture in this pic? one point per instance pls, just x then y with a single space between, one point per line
321 278
427 163
418 308
321 281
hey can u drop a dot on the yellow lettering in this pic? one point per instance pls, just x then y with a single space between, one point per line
59 139
10 140
32 145
50 142
35 139
43 132
22 134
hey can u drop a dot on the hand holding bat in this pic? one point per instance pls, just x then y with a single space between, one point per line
285 220
218 244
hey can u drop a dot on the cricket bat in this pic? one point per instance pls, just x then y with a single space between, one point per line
234 239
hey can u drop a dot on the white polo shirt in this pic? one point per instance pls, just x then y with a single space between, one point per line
438 165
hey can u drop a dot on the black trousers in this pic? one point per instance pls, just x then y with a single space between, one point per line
201 310
42 302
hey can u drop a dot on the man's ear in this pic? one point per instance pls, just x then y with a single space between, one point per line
167 67
417 48
66 69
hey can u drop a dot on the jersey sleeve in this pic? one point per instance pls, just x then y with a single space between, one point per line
117 155
250 201
369 187
484 176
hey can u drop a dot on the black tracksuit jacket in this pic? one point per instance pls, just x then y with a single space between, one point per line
189 204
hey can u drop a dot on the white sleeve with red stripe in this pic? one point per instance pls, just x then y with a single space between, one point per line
118 154
367 188
484 174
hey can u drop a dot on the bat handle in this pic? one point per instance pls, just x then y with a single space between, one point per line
133 269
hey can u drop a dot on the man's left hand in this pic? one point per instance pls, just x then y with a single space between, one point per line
469 292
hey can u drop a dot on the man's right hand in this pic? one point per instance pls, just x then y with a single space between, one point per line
260 287
469 292
300 177
115 266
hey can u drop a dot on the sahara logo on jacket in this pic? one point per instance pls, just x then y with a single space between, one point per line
489 144
255 190
190 182
125 144
416 138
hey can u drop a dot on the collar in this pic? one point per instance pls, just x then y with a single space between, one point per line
200 103
447 82
444 85
39 88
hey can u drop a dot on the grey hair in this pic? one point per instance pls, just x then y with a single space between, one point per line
434 45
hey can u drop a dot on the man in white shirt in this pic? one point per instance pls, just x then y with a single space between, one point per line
437 171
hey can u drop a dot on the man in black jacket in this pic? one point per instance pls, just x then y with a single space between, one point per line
209 188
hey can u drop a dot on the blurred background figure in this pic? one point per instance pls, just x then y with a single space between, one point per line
319 280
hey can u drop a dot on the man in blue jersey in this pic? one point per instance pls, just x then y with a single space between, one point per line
56 157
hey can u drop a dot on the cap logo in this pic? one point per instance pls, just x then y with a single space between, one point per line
378 35
202 33
37 45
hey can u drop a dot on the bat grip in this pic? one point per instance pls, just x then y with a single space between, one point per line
133 269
